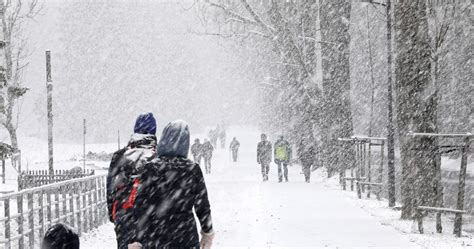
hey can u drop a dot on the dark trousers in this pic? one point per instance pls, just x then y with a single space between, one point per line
265 170
122 231
307 172
207 164
234 155
284 173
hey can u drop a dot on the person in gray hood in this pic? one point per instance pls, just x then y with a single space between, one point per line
173 186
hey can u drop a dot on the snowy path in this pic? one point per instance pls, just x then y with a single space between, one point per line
250 214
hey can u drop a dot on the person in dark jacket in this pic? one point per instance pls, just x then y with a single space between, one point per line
60 236
196 150
125 165
282 156
172 187
264 156
234 148
307 157
207 149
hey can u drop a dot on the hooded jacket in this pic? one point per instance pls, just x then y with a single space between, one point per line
174 141
60 236
172 186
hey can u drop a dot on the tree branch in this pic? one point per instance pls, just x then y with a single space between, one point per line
257 17
232 13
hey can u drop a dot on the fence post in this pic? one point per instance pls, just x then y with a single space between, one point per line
6 204
56 206
3 170
90 204
96 203
64 196
31 220
19 201
358 171
71 205
41 213
78 205
382 153
48 208
102 212
84 204
369 169
462 185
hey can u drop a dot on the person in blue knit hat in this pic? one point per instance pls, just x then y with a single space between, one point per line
145 124
124 175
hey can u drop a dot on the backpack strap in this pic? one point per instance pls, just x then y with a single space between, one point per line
114 210
133 195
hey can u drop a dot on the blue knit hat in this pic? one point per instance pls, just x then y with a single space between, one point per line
145 124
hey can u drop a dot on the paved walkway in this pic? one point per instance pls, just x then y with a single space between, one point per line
250 213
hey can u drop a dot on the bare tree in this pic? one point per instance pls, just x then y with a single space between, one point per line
286 30
13 15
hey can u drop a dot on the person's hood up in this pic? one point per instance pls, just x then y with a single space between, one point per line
60 236
174 141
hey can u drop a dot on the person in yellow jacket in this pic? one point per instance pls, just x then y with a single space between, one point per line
282 156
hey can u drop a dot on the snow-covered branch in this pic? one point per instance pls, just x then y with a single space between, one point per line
256 17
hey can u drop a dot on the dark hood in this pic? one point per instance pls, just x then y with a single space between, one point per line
174 141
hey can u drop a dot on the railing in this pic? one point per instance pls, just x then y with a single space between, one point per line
36 178
27 214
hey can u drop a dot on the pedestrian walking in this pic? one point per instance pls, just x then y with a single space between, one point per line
207 150
173 186
264 155
307 157
234 148
196 150
282 155
124 175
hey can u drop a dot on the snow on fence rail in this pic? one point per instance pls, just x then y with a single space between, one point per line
36 178
27 214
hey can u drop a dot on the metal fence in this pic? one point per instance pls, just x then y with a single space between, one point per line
36 178
27 214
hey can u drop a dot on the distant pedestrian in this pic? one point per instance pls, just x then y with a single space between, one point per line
234 148
282 156
264 155
222 136
307 157
213 136
207 150
196 150
60 236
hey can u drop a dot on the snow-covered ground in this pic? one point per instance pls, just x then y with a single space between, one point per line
249 213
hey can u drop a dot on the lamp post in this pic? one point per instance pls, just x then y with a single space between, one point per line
390 126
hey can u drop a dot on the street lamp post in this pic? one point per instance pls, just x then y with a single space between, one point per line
390 126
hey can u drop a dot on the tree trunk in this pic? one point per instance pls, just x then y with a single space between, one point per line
417 105
8 95
336 107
